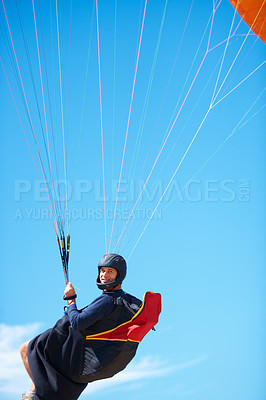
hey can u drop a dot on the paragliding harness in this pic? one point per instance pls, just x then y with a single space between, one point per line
99 353
106 347
122 341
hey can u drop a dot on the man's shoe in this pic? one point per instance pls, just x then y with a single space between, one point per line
28 396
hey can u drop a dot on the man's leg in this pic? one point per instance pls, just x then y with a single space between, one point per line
24 356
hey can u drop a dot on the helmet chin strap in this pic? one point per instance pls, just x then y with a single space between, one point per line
107 285
112 288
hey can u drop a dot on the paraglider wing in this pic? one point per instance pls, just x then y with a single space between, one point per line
253 12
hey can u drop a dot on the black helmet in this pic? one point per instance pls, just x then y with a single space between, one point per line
112 261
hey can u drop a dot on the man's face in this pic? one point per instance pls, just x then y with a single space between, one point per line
107 274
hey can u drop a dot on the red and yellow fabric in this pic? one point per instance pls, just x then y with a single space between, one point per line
139 325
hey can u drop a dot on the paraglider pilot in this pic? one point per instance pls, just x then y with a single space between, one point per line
93 343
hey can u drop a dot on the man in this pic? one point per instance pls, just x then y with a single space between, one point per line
62 360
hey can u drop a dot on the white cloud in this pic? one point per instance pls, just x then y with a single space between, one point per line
147 367
14 379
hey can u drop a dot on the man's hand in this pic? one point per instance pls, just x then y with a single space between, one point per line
70 291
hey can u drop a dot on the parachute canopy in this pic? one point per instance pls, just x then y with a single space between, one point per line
253 12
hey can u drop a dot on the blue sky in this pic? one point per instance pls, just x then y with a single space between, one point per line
203 249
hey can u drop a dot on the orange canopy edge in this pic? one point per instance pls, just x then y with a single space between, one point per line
253 12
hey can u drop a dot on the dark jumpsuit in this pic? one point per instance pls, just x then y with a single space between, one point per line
62 361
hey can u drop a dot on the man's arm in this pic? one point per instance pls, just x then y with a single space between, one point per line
69 292
98 309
